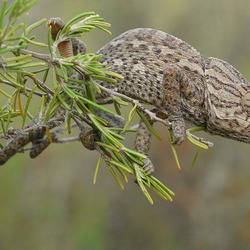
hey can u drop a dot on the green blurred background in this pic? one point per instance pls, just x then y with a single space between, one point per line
51 203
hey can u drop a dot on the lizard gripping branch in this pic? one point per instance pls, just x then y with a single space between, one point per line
158 69
162 70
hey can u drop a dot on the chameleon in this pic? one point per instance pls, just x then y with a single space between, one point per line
167 73
162 70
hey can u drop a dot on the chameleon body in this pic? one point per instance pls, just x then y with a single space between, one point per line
169 74
166 72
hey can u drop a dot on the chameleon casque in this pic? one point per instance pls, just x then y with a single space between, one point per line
167 73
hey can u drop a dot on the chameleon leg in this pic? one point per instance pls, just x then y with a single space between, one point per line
174 79
142 145
174 82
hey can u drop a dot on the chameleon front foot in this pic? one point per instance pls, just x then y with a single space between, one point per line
179 130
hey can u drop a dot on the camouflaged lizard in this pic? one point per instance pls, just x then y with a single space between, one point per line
167 73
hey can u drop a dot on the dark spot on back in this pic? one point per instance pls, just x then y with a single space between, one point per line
135 60
143 47
157 51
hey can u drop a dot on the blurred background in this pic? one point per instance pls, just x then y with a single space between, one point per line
51 203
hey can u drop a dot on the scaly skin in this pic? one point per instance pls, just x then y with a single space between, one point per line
166 72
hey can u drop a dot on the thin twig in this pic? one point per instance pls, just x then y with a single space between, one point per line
68 139
41 85
44 57
202 140
27 89
151 115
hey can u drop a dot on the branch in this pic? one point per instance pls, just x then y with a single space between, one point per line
43 57
152 115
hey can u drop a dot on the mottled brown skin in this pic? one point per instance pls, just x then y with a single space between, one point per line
166 72
162 70
158 69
